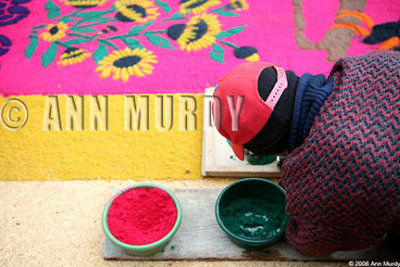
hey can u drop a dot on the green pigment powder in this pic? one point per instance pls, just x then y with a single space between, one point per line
261 160
256 159
253 218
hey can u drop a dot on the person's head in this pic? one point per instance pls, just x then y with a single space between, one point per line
261 97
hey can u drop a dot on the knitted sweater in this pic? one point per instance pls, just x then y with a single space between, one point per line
343 182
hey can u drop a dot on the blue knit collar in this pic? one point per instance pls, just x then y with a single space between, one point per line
312 91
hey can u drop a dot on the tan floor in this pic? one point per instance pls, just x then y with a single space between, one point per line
58 223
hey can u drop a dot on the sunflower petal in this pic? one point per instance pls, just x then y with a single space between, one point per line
124 75
117 74
130 71
137 71
147 71
145 65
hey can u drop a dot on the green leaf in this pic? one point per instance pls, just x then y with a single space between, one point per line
222 35
226 13
53 10
217 48
230 32
237 29
34 32
93 18
66 19
163 5
100 52
92 14
85 14
150 23
137 45
76 41
49 55
132 43
178 16
219 57
39 26
165 44
83 30
51 6
53 14
175 16
136 30
30 49
154 39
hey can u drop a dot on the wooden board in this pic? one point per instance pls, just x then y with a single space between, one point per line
200 238
218 158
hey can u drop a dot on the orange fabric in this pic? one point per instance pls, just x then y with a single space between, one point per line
390 43
356 28
359 15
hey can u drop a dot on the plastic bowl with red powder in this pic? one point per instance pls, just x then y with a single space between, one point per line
142 219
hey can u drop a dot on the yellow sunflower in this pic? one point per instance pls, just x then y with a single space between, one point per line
199 32
54 32
136 10
73 55
239 5
84 3
127 62
196 6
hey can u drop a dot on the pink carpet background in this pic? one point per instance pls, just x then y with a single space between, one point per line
269 28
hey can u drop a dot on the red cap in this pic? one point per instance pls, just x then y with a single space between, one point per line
238 110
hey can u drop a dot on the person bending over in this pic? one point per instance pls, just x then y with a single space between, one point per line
341 138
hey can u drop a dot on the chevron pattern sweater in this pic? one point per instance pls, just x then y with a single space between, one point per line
343 182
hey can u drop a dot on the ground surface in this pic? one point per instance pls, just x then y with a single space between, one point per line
58 223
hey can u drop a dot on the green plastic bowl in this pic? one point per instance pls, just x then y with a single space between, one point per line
258 190
149 249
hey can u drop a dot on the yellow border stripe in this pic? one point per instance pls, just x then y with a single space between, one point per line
32 153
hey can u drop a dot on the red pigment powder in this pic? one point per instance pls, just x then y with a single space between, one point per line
142 216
